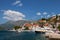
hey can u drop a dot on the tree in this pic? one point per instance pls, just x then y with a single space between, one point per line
1 28
43 19
26 28
16 27
59 27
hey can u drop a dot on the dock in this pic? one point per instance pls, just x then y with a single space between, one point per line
53 36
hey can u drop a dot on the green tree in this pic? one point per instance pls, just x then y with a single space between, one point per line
16 27
43 19
26 28
59 27
1 28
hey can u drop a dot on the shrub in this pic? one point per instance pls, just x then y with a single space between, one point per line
16 27
26 28
59 27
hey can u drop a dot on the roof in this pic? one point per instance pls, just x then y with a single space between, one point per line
27 24
46 24
42 20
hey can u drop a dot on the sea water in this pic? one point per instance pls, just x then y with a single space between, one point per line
8 35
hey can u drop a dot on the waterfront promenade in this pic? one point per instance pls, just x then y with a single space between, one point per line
53 36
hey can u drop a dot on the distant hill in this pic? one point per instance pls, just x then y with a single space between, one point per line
11 24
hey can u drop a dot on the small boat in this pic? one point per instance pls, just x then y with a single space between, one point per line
42 30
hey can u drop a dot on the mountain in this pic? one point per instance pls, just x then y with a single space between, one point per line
11 24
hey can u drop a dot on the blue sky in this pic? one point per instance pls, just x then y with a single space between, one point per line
28 9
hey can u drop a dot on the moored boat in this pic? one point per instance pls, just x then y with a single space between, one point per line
42 30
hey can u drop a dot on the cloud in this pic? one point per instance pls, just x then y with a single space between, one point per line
13 15
44 13
18 3
48 15
58 14
38 13
54 15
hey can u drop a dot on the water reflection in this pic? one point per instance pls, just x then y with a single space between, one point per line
4 35
40 36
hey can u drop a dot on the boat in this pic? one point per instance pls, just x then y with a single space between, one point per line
42 30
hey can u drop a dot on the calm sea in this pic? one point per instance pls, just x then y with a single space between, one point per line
7 35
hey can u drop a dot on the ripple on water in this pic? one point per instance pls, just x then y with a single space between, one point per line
6 35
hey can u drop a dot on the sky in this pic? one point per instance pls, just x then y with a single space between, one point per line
14 10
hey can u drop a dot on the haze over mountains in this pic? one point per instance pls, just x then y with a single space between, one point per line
11 24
